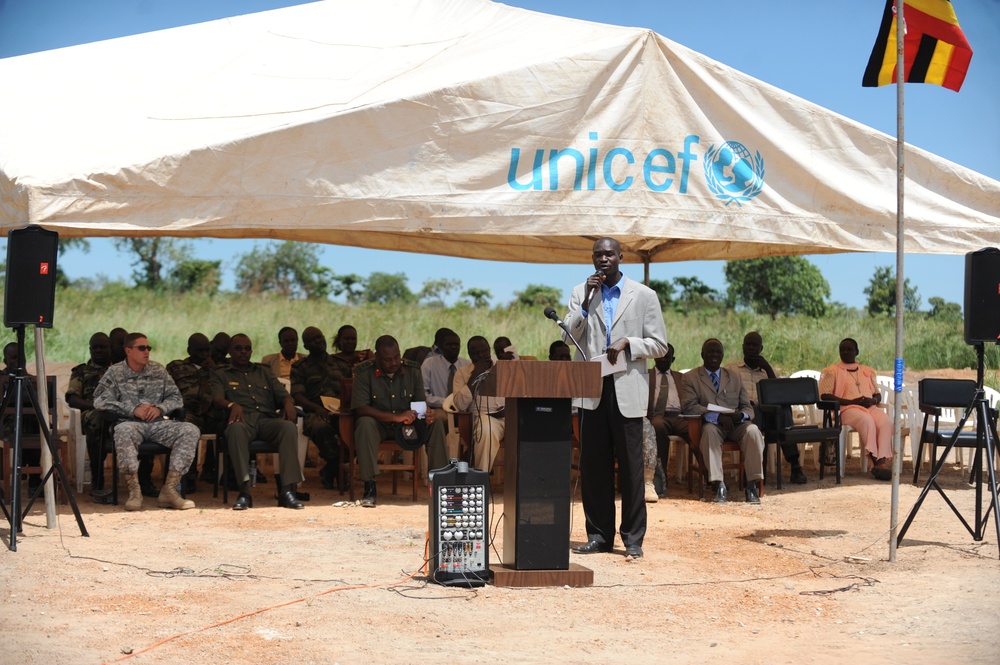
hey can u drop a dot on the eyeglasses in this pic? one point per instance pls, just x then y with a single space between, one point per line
141 347
241 347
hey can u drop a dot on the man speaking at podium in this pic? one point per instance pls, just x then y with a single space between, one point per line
614 315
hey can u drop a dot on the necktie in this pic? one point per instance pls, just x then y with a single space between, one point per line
451 378
661 399
715 379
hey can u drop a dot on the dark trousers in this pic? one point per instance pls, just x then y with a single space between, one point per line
607 435
789 450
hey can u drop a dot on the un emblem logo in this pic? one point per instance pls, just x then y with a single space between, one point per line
733 174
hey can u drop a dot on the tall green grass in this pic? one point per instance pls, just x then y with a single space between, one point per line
790 343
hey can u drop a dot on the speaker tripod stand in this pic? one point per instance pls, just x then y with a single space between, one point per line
18 387
986 442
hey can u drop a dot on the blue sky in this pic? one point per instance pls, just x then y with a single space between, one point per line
817 50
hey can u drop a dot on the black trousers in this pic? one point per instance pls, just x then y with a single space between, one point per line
605 436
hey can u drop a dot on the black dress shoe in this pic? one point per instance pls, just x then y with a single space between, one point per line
633 552
150 490
287 500
261 478
302 496
593 547
751 492
371 494
243 501
328 476
798 476
721 493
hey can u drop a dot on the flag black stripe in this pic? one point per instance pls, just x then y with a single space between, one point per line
918 71
870 79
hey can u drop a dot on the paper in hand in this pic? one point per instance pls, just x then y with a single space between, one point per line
606 366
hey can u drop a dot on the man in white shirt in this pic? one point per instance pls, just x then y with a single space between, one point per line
665 417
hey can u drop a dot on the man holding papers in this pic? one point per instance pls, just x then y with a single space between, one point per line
611 315
717 395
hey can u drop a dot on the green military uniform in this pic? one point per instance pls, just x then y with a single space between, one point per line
259 392
374 389
195 383
315 376
83 380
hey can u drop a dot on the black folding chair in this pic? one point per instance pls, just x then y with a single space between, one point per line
935 395
777 397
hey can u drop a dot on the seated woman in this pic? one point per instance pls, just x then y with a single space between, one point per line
853 385
346 343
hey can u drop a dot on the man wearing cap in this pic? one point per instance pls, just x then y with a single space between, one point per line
385 389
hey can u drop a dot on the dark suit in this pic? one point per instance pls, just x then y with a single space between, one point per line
611 426
666 424
697 393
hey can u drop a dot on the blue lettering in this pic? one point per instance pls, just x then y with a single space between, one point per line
536 171
648 168
554 157
686 158
609 160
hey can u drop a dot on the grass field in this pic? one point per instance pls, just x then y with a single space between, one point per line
790 343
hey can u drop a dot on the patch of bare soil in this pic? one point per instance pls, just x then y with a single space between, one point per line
803 577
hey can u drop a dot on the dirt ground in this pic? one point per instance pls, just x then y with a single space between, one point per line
804 577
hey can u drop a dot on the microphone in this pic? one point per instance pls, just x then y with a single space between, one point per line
550 313
592 291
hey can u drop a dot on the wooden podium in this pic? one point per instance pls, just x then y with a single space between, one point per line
537 461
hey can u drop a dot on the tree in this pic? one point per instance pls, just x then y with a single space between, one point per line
351 285
942 310
435 290
195 275
382 288
881 292
538 295
664 291
478 297
152 256
290 269
695 295
778 285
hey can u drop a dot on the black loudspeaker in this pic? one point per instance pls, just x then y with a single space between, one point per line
30 292
982 296
544 453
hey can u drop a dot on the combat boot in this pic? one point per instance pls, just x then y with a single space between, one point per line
651 496
134 501
169 498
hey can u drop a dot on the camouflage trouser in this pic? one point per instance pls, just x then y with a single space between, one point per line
181 438
648 444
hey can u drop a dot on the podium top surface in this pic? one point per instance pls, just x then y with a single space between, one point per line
543 378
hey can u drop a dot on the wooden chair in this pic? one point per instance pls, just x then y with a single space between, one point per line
777 397
29 441
389 447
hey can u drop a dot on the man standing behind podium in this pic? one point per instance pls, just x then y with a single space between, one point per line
612 314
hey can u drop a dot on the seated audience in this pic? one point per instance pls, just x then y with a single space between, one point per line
714 385
385 389
281 362
83 380
752 369
141 393
559 350
487 411
665 418
854 387
259 408
315 376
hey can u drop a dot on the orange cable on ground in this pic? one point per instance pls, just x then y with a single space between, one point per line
258 611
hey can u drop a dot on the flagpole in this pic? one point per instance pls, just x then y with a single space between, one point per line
897 405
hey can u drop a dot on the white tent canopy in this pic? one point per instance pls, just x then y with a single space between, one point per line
457 127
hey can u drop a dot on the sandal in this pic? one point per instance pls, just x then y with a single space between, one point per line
879 469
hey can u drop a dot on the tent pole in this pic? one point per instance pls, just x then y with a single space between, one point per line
897 407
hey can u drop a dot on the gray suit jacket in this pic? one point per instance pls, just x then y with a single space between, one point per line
697 392
638 318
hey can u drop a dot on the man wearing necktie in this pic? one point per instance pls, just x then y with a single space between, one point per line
612 314
664 414
712 384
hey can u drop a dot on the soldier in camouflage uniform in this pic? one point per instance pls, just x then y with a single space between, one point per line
142 393
192 376
316 375
83 382
117 339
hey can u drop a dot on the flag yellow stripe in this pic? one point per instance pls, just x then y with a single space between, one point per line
939 9
938 67
885 74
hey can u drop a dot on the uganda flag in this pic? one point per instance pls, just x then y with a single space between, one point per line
934 47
